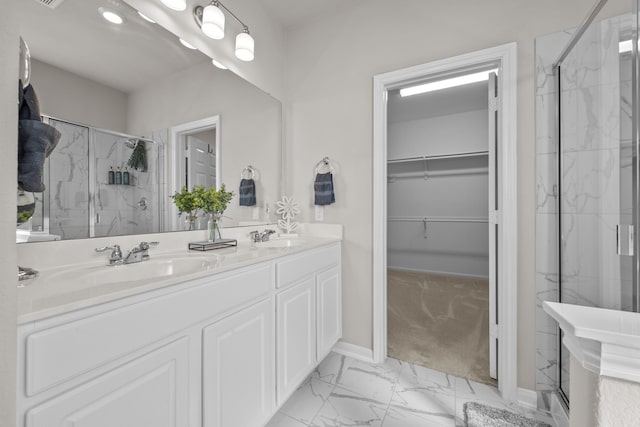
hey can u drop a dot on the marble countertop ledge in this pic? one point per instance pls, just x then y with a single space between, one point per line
64 288
606 342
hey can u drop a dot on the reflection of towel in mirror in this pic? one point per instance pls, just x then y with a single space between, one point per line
36 140
247 192
323 187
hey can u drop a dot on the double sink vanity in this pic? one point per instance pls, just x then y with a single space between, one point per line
219 338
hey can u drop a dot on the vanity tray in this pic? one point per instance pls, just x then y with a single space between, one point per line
209 246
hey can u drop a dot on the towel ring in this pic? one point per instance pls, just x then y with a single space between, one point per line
250 170
324 163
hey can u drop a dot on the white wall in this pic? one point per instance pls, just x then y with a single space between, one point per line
9 43
454 188
330 65
250 125
68 96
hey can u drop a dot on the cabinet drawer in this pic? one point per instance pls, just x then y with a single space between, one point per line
62 352
297 267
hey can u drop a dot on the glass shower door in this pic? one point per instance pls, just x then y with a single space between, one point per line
596 172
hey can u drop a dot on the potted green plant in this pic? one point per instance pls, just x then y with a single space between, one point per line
205 200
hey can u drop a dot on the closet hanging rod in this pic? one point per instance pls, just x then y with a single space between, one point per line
436 219
442 156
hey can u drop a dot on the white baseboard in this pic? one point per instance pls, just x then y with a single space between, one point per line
558 412
441 273
527 398
355 351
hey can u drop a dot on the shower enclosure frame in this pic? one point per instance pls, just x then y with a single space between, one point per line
635 141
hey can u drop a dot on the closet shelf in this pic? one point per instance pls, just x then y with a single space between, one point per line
439 157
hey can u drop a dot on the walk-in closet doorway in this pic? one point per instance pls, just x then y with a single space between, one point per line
444 186
441 175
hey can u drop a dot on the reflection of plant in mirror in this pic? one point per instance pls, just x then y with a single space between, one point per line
208 200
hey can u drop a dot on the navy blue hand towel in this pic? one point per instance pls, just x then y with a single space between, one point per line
323 187
247 192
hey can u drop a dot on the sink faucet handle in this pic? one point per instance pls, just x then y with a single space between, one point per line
255 235
146 245
115 248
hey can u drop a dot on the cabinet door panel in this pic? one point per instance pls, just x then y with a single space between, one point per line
329 311
149 391
296 316
297 267
238 374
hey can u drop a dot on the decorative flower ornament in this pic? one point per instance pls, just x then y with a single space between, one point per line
288 208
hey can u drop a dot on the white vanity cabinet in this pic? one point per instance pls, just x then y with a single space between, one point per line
219 351
238 379
309 314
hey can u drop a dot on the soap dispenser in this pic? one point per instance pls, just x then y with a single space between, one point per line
125 177
118 176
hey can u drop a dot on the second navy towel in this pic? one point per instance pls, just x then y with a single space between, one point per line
323 186
247 192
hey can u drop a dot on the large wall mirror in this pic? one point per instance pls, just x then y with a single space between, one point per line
132 99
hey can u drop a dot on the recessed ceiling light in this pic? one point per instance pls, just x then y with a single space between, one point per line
187 44
218 64
111 16
146 18
447 83
175 4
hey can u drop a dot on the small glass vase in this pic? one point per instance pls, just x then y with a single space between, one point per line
191 222
213 229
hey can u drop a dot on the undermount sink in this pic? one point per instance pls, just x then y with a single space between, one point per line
145 270
280 243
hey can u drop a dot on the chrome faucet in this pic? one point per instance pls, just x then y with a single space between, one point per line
256 236
116 254
140 252
137 254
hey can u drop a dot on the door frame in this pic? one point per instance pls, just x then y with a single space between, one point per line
177 137
506 58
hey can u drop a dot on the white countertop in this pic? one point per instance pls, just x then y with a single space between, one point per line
606 342
64 289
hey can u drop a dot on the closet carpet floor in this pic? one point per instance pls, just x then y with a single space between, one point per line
440 322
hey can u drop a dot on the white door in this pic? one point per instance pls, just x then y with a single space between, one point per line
494 221
152 390
238 380
329 307
296 338
201 162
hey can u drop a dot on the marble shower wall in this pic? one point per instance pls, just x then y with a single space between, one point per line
67 189
119 208
596 123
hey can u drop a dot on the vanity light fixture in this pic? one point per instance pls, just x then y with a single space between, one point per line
211 20
146 18
447 83
187 44
218 64
178 5
111 16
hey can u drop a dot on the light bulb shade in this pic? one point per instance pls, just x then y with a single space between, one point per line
245 47
175 4
213 22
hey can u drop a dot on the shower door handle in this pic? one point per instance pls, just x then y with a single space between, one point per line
625 240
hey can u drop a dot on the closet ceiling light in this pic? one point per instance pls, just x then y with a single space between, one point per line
218 64
187 44
446 84
175 4
111 16
625 46
146 18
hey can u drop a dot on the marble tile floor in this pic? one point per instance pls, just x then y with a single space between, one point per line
344 392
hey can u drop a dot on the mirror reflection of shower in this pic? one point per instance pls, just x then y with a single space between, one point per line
99 183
